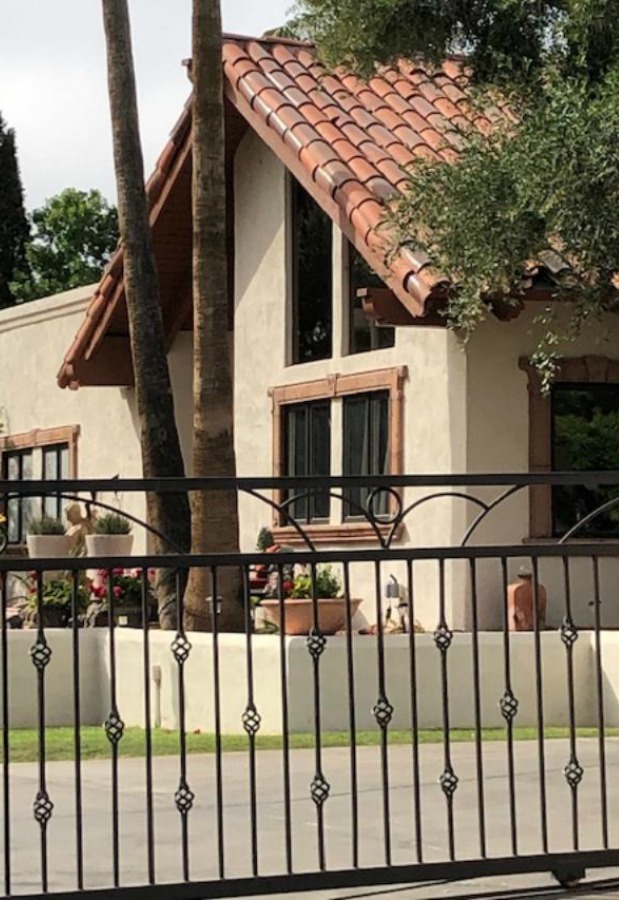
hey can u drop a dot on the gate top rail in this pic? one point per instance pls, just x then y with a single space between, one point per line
34 488
587 549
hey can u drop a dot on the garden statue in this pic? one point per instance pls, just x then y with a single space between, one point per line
521 603
79 526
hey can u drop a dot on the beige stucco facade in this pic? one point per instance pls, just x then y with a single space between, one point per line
463 410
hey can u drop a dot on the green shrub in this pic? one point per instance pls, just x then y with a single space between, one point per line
57 593
46 525
328 585
112 523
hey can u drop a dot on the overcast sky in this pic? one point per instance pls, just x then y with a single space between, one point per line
53 82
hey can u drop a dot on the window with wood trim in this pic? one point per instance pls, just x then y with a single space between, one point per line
366 450
364 333
573 429
46 454
367 411
17 466
312 278
307 452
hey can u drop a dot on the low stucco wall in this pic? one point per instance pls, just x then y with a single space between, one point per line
59 696
199 692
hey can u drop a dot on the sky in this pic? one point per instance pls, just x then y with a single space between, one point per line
53 89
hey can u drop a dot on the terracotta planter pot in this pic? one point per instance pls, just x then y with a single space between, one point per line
299 614
109 544
48 546
521 604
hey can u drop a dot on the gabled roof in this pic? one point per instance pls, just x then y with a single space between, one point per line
346 140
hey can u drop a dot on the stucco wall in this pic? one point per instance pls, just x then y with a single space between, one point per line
33 341
435 393
497 440
199 685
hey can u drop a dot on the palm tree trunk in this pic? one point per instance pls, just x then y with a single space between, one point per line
215 523
160 445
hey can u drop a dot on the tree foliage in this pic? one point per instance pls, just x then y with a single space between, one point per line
544 183
14 229
74 234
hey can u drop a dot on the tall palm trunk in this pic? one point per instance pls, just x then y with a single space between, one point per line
161 452
214 515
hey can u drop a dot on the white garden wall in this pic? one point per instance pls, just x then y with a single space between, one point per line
199 693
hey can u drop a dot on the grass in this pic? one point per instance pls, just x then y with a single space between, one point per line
59 742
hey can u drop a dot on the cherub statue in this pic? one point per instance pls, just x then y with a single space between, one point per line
79 526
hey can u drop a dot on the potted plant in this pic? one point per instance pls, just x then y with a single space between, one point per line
56 595
125 586
111 536
47 538
299 603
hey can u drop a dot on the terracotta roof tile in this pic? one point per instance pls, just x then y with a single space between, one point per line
348 139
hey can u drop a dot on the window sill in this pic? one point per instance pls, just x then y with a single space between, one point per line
19 551
346 533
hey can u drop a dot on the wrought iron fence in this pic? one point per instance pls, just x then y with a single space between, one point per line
433 733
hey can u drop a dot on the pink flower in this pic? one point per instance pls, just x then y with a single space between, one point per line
99 592
102 573
137 573
118 571
118 592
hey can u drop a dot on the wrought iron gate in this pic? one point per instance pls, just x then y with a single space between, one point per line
258 762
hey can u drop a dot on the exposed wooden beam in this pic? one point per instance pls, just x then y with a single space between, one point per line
382 305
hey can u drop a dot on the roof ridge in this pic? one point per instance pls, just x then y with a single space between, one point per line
267 39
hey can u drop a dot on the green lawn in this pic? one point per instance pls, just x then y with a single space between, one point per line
23 743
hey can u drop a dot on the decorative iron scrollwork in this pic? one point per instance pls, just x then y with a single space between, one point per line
574 773
316 644
40 653
569 633
181 648
383 712
184 798
449 782
320 789
42 808
443 637
509 706
114 727
251 720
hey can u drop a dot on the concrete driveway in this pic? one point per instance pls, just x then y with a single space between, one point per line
97 812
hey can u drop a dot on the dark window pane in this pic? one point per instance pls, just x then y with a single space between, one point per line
55 466
17 466
585 437
307 452
365 334
312 278
366 449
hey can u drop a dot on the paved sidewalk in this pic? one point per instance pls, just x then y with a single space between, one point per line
271 818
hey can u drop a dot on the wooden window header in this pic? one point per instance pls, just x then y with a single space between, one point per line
341 385
40 437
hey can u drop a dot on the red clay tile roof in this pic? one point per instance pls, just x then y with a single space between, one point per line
346 140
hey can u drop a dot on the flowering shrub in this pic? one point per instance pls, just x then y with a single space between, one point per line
125 585
298 585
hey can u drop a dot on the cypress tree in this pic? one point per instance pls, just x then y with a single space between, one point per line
14 228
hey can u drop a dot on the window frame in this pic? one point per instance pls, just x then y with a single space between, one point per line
39 439
571 370
372 411
308 407
334 387
294 187
350 298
